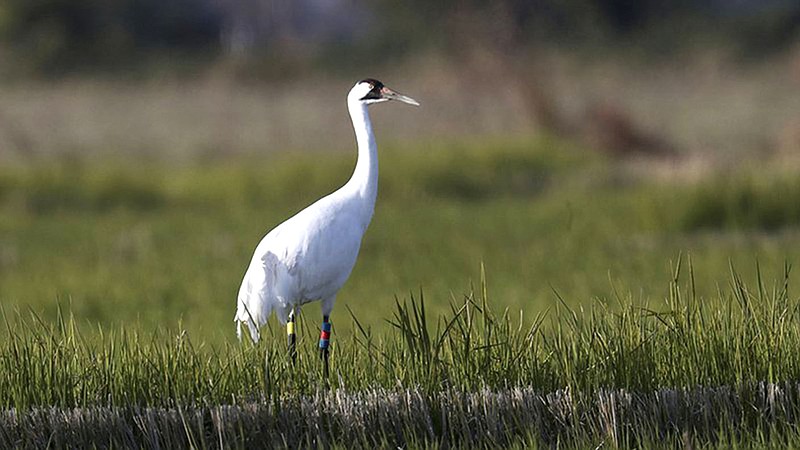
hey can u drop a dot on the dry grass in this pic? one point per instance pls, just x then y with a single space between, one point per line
708 105
217 118
402 418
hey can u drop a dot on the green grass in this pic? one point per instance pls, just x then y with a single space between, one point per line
746 202
718 370
124 242
118 282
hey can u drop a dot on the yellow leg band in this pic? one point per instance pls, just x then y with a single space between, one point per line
290 328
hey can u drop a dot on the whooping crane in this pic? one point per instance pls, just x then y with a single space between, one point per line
310 256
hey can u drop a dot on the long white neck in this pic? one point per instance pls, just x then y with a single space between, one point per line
364 182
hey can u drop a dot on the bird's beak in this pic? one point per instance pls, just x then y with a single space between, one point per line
389 94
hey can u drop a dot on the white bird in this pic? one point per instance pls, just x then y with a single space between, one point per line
310 256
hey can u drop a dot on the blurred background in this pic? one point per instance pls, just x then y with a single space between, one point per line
146 146
188 78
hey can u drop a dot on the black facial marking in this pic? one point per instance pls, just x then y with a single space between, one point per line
375 92
372 81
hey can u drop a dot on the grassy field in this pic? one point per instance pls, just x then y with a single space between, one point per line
118 279
679 372
156 245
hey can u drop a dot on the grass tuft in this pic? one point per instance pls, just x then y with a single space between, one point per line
625 374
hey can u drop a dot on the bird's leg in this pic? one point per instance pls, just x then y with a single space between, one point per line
324 342
291 336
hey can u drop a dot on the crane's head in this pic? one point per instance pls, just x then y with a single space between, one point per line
371 91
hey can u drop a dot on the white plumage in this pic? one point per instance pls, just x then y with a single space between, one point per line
310 256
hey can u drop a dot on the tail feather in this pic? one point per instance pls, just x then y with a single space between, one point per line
255 336
243 315
256 299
